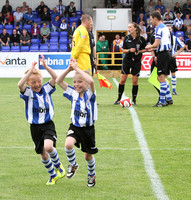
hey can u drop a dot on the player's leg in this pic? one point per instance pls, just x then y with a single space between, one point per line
134 89
121 88
70 153
174 82
51 150
46 161
91 169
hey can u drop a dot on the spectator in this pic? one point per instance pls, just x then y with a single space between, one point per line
80 20
188 43
71 10
161 6
138 6
56 24
29 17
6 8
150 8
1 18
35 31
18 16
63 25
8 19
110 3
149 31
142 26
168 21
186 8
170 13
126 3
187 21
188 31
70 46
143 34
54 13
44 33
40 8
178 23
102 47
61 9
15 38
71 30
177 9
141 18
18 30
24 8
116 47
25 38
4 38
45 16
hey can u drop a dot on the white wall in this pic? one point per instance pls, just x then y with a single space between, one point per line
35 3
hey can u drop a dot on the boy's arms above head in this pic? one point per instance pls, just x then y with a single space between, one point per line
86 76
50 71
60 79
21 83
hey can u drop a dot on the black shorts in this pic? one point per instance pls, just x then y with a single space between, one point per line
163 63
84 136
40 132
173 66
131 67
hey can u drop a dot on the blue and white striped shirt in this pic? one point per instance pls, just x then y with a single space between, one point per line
176 42
39 107
163 33
84 111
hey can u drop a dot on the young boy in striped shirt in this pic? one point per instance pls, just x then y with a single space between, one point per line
83 115
39 111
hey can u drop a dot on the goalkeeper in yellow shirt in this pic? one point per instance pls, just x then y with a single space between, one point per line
81 44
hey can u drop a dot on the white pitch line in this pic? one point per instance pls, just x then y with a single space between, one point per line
148 160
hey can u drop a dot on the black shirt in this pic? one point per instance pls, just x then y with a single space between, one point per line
129 43
15 38
189 44
5 37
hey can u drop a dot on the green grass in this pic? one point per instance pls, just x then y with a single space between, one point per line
119 163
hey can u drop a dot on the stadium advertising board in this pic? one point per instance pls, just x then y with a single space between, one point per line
183 62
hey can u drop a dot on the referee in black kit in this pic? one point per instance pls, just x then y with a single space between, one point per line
133 47
163 45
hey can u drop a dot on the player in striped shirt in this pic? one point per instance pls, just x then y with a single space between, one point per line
83 116
175 42
39 112
163 45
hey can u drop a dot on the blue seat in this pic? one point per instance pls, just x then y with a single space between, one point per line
44 47
63 40
53 48
24 48
20 26
27 26
64 34
9 27
54 34
10 32
63 48
54 40
73 19
34 48
37 19
5 48
35 41
15 49
1 26
179 34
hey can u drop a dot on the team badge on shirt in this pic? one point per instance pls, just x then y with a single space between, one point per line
88 104
47 99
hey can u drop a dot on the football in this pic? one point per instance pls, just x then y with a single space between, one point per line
125 102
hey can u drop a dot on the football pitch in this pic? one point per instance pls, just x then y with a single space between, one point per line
144 152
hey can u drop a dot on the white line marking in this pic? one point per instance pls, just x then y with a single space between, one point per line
148 160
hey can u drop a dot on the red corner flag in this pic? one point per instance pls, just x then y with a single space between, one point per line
103 82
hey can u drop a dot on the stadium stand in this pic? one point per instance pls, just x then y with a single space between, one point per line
15 49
